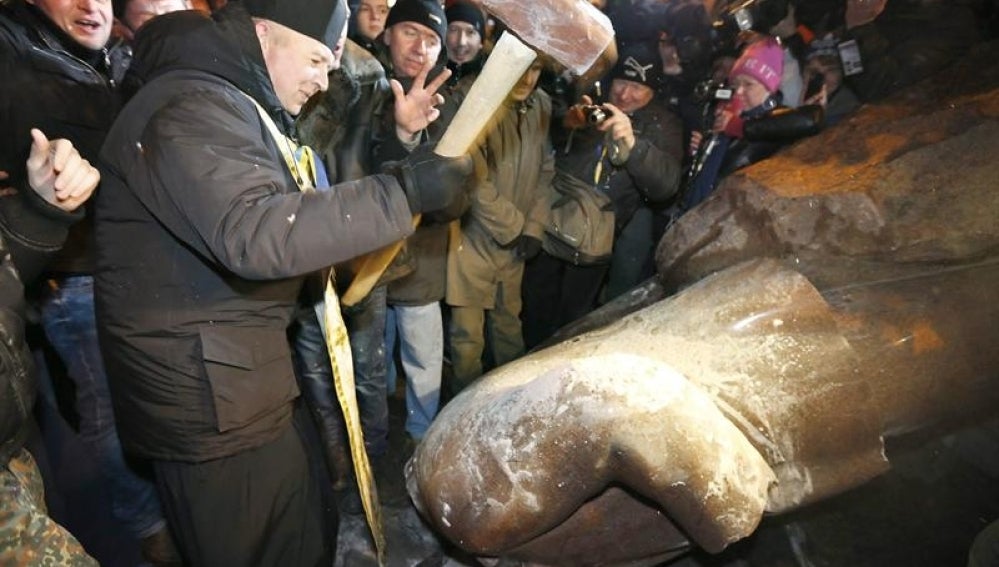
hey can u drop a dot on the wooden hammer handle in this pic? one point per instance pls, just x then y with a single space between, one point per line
509 60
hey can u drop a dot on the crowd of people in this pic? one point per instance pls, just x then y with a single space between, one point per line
237 150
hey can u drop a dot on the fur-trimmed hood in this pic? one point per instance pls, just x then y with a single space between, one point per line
323 120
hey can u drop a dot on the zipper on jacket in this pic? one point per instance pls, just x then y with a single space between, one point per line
87 67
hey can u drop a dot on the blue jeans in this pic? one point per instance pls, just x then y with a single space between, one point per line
421 348
70 326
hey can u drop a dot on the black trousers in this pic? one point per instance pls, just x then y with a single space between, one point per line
260 507
556 293
315 381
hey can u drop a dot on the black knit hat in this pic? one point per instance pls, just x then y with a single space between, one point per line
467 12
322 20
425 12
640 63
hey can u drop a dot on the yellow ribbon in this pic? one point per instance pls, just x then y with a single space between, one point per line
300 160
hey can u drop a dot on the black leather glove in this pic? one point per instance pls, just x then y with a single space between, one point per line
431 182
526 247
786 124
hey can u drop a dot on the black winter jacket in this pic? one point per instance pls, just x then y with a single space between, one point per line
426 250
52 83
23 250
652 171
192 315
764 135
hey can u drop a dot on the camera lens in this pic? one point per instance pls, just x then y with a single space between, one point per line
595 115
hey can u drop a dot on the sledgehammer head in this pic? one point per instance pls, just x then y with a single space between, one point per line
572 32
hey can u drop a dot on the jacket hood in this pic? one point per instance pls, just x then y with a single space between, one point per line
224 45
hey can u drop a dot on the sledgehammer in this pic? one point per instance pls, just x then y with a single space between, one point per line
572 32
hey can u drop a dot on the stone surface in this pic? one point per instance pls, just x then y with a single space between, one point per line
854 290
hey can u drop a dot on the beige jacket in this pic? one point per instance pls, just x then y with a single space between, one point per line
513 198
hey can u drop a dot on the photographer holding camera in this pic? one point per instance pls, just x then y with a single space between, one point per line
751 126
609 158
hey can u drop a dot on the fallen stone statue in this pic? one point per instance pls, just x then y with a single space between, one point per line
842 292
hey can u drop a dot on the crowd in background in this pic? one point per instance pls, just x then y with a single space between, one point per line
574 183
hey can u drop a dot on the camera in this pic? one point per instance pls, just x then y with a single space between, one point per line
755 15
708 94
595 114
710 91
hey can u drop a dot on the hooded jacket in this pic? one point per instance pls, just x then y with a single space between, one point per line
193 315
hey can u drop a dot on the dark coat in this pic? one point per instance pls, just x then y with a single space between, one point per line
26 239
652 171
465 71
193 315
426 249
52 83
47 86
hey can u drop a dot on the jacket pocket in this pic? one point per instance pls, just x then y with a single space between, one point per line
250 373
